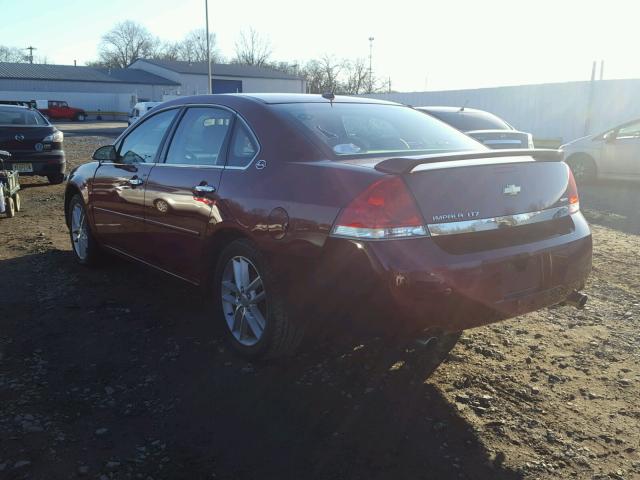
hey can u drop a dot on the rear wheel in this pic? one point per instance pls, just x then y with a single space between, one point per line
252 304
583 167
10 208
56 179
85 248
16 200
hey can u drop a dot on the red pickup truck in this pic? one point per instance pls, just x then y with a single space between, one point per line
58 109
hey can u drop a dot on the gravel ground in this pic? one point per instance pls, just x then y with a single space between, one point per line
119 373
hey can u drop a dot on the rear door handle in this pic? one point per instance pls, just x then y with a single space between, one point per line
135 181
204 188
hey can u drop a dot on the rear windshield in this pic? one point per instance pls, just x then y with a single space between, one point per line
350 129
19 116
468 121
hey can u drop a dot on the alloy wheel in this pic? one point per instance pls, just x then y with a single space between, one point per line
79 234
244 301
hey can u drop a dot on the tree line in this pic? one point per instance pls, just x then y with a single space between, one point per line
129 40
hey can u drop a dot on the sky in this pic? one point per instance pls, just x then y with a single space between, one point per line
419 45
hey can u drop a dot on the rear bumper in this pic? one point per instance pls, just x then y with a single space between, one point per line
42 163
417 284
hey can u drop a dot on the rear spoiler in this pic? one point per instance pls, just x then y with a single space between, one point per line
400 165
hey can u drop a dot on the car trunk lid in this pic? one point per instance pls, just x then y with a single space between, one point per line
21 138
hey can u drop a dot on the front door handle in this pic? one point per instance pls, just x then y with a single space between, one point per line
204 188
135 181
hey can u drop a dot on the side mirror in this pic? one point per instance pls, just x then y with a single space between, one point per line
610 137
106 153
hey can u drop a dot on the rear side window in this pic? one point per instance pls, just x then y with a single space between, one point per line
243 146
142 144
200 137
355 129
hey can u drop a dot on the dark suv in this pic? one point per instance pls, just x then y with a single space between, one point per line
35 145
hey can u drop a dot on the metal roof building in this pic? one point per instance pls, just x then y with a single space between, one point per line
227 78
115 91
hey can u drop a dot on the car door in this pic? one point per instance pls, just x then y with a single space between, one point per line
622 153
117 193
180 198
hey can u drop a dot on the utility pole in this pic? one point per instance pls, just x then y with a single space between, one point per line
371 64
206 14
31 49
601 69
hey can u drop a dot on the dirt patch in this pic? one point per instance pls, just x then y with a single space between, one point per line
120 373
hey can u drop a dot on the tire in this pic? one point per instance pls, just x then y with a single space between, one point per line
583 167
56 179
81 117
17 202
255 330
80 230
10 208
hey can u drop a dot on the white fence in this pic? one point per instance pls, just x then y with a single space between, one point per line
548 111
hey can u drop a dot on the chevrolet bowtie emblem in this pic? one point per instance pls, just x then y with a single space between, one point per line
511 189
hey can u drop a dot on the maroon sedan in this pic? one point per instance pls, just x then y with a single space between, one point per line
281 205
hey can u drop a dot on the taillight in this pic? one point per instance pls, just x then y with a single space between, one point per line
384 210
572 193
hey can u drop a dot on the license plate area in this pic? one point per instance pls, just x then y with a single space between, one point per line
521 277
23 167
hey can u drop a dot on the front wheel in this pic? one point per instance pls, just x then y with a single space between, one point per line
85 248
17 202
81 117
10 208
252 305
583 168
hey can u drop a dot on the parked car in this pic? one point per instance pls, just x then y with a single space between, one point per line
287 206
36 146
60 110
140 109
485 127
613 154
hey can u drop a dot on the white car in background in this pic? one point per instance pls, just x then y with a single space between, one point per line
614 154
139 110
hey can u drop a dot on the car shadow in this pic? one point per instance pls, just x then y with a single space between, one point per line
613 204
127 366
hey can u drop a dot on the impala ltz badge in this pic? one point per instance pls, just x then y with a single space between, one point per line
511 189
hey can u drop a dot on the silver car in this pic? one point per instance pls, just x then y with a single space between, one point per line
613 154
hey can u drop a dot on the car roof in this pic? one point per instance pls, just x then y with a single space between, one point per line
22 107
271 98
459 109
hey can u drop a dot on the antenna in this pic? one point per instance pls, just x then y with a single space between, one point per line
31 49
466 102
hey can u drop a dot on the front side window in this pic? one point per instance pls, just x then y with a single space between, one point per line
629 131
243 146
142 144
200 137
352 129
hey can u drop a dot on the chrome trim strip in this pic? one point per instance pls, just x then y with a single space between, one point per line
495 223
173 227
106 210
474 162
125 254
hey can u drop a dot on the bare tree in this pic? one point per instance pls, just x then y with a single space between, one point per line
124 43
194 47
357 77
253 48
12 55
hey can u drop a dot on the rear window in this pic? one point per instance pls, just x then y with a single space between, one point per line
18 116
468 121
352 129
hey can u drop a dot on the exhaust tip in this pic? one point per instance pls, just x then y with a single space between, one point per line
577 299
